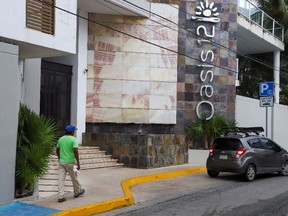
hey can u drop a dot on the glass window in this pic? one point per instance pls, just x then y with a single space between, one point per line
227 144
254 143
268 144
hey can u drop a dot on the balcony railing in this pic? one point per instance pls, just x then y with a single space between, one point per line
260 18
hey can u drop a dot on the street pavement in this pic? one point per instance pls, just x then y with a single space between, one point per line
111 188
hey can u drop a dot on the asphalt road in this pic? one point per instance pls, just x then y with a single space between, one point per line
226 195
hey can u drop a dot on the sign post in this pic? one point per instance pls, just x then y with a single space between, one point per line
266 92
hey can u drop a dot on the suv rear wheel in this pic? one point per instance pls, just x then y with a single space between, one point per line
284 169
213 173
250 173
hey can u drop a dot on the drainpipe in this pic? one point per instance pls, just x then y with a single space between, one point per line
276 69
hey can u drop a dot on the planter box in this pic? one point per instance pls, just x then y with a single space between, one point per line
197 157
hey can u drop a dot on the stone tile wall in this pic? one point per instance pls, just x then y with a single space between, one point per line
162 140
141 151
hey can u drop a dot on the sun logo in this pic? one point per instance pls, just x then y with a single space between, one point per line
206 10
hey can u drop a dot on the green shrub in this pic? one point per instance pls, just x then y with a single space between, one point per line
36 139
205 131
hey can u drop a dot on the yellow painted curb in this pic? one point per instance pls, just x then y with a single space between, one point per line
128 198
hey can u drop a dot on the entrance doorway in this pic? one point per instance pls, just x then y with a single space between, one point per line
55 100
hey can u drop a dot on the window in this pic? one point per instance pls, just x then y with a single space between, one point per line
268 144
40 15
254 143
227 144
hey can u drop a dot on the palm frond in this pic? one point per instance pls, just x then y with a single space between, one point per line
35 141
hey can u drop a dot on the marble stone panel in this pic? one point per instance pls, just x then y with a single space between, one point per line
107 115
136 73
163 61
171 47
89 100
90 57
90 86
134 45
108 58
163 74
108 86
136 59
162 102
139 31
108 72
110 44
135 116
163 88
89 114
110 100
137 20
135 87
90 73
162 116
135 101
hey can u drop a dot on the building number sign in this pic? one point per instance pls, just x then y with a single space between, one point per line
206 13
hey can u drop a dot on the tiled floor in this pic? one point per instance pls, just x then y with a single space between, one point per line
23 209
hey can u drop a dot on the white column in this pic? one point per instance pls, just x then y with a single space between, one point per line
276 69
10 98
82 74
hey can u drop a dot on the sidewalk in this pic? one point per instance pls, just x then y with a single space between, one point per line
104 191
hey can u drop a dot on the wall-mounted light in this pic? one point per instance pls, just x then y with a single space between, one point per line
85 71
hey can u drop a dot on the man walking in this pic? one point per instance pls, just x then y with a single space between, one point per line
67 152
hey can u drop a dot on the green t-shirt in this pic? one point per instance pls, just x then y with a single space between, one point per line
66 144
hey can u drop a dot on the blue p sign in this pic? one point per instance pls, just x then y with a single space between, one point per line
266 89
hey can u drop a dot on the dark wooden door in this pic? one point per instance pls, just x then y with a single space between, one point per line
55 100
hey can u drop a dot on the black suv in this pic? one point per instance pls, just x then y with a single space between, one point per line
245 151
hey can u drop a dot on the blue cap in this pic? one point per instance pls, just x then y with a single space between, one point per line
70 128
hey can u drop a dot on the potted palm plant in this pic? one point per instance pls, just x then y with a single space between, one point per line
35 142
206 130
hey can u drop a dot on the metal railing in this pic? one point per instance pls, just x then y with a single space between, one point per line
260 18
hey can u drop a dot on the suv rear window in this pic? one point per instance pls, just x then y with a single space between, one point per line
227 144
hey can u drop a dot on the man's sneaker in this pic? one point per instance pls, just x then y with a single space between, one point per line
82 191
62 200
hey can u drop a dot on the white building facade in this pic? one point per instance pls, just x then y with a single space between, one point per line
126 73
25 38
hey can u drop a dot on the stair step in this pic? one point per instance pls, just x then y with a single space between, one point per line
50 188
53 182
86 151
90 158
103 165
90 161
52 172
87 147
83 156
54 177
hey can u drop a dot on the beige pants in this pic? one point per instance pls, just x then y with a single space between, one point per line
63 169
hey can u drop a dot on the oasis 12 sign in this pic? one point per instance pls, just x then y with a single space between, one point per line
207 17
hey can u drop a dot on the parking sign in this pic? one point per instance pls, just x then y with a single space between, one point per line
266 89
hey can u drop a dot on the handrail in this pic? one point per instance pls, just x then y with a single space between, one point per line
260 18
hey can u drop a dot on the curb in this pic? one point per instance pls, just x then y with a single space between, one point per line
128 198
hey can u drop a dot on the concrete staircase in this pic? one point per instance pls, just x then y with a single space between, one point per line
90 158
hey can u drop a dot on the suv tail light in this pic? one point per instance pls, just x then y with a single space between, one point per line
211 151
240 152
